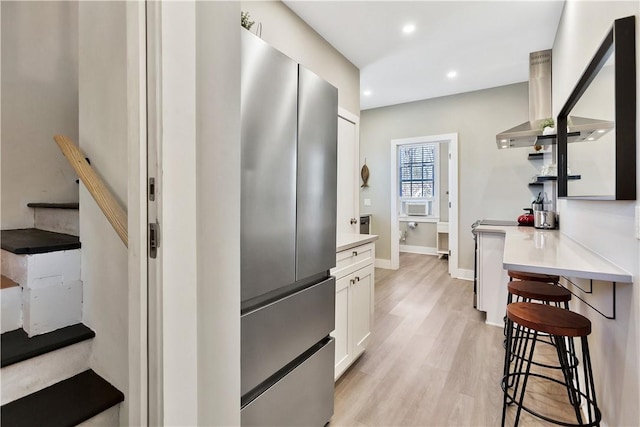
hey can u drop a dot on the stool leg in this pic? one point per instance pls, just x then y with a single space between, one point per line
518 354
572 391
507 363
526 375
505 371
592 403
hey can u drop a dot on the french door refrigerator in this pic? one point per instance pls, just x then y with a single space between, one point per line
288 239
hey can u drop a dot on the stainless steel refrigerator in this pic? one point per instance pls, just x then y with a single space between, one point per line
288 239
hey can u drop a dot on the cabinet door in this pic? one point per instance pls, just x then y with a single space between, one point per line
268 176
317 163
492 277
341 333
347 177
361 303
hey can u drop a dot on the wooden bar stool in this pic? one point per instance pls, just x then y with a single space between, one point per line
532 277
563 325
526 290
546 293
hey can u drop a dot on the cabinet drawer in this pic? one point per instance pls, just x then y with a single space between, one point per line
352 259
303 397
276 334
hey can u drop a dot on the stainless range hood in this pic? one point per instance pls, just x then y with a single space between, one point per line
529 133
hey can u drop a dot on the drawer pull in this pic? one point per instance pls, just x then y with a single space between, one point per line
352 281
354 253
357 279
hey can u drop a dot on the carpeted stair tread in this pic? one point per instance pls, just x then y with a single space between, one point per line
67 403
16 346
28 241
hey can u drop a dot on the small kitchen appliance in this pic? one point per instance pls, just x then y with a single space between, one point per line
527 218
544 219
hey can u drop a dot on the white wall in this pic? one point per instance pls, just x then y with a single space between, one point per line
605 227
492 182
200 151
285 31
103 138
178 200
218 195
39 100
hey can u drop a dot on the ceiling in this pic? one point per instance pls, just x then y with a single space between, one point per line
487 43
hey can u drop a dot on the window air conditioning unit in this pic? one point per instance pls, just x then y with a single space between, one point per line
417 209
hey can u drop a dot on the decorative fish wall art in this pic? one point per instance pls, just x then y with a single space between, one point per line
364 174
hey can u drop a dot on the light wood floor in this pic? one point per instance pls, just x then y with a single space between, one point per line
431 361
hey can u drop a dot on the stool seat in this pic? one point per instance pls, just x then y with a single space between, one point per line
549 319
539 291
533 277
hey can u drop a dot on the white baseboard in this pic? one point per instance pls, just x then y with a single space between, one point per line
424 250
383 263
464 274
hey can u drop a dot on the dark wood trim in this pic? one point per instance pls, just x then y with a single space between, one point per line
625 57
620 40
72 206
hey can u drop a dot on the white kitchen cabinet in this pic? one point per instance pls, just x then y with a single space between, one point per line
354 274
492 277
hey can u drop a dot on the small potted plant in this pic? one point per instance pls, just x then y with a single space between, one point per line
548 126
245 20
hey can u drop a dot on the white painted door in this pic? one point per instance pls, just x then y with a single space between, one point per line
348 203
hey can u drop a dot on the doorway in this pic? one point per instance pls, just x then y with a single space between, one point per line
447 143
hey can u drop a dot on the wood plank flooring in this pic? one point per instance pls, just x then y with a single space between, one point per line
432 361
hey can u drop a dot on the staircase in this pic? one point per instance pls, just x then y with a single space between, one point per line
45 349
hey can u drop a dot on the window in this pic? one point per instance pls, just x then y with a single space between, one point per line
418 179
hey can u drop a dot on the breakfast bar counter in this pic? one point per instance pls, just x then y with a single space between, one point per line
502 248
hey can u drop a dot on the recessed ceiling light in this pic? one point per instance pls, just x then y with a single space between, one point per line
409 28
367 93
452 74
600 130
591 139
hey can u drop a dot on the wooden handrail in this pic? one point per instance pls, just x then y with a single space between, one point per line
101 194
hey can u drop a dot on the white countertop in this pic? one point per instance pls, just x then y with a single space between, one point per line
348 241
531 250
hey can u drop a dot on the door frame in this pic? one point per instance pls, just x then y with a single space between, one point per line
452 140
137 394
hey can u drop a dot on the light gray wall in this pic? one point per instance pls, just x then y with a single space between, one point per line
605 227
492 182
39 100
423 235
103 138
285 31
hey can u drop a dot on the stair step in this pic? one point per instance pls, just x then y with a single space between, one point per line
11 305
34 241
67 403
26 377
7 283
16 346
75 206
